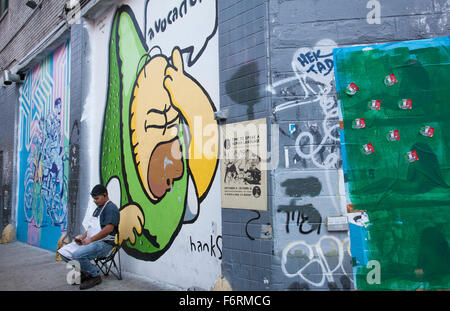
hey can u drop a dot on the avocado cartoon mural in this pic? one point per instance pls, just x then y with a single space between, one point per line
156 121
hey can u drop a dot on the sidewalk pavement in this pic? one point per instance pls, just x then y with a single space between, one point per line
28 268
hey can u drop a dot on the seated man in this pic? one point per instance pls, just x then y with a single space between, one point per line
98 240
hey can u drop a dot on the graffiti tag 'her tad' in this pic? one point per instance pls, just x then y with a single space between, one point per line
312 61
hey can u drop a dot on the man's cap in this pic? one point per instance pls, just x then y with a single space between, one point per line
98 190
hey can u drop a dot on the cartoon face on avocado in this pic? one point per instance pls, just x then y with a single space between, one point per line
154 123
147 141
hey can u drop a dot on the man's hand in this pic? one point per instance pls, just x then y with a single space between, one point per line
103 233
131 218
79 238
86 241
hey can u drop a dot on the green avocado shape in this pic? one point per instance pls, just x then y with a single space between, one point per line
162 220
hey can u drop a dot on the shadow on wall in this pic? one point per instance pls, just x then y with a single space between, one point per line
74 170
243 87
434 256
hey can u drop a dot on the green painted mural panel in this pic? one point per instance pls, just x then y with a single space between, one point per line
407 199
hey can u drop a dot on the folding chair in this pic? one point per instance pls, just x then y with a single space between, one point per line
106 263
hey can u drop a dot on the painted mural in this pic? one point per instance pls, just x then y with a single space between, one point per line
159 138
43 151
394 100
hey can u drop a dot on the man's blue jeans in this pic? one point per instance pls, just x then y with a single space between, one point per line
86 253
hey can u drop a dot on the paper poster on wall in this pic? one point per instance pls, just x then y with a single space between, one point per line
243 166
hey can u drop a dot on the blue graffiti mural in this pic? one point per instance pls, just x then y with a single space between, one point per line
43 151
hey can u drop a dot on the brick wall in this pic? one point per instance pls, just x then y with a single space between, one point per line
243 78
243 59
22 28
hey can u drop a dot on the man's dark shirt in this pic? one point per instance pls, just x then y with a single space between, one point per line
109 215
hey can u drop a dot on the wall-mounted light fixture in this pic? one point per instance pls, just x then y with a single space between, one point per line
9 78
33 4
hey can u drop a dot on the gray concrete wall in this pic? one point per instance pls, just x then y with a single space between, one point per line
307 183
9 99
78 81
269 67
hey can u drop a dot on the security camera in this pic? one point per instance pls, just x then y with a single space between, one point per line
33 4
220 115
9 78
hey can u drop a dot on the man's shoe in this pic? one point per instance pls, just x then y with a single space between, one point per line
84 277
91 282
